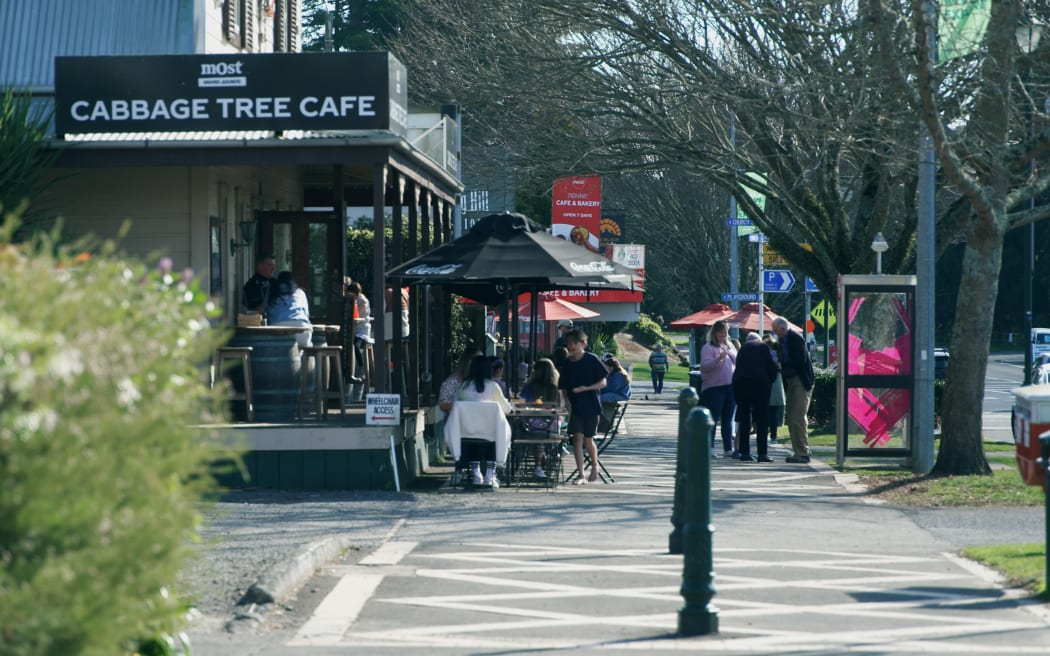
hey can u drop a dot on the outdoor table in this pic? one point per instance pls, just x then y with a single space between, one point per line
276 369
326 334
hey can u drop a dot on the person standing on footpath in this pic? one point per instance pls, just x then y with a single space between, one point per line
717 361
256 296
797 371
752 378
776 393
582 377
658 366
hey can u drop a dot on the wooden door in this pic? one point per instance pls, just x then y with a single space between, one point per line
310 245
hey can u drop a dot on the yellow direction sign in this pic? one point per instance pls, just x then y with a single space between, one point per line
824 314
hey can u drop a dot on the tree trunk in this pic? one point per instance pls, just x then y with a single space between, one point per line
962 448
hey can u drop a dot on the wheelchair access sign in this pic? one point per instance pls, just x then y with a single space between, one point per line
383 409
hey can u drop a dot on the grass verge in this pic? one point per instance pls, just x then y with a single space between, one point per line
1023 565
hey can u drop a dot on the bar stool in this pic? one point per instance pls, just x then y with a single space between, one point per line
243 354
326 359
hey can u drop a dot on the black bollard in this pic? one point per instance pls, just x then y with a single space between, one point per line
687 400
699 616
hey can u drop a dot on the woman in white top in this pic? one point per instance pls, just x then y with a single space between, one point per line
479 386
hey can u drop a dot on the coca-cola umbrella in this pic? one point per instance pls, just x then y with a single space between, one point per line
505 250
746 318
703 318
508 252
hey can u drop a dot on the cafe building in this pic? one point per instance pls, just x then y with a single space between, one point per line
202 127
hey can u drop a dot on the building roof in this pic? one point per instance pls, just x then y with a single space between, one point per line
34 32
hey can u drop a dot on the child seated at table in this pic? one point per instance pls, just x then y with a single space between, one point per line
541 386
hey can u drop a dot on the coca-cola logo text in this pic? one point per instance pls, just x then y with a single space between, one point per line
429 270
591 267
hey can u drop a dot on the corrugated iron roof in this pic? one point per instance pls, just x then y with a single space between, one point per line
34 32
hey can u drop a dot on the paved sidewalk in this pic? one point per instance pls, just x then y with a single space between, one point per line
803 565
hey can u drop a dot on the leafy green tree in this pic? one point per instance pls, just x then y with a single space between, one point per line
103 461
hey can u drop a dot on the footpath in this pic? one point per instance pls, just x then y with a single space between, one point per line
803 562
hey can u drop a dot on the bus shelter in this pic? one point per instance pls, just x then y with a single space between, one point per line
876 368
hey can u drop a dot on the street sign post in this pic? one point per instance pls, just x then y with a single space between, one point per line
739 222
777 280
811 287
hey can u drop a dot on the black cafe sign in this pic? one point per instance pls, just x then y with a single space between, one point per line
266 91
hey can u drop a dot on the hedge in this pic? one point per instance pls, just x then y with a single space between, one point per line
101 386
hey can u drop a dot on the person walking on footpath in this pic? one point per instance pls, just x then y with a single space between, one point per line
717 361
796 368
658 366
776 393
752 379
582 378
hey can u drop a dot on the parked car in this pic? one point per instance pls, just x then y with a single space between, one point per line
940 363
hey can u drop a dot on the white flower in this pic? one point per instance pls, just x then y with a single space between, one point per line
66 364
127 393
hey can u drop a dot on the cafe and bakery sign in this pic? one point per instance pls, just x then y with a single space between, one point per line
265 91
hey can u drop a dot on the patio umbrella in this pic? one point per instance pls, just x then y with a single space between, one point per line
746 318
703 318
508 250
555 309
504 250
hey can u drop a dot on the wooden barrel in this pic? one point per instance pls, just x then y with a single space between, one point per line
276 370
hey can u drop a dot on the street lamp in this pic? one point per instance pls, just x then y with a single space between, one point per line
1028 36
880 246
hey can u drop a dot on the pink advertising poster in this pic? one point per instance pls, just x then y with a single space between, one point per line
576 210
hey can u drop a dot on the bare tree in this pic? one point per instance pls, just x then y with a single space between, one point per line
824 98
681 220
986 148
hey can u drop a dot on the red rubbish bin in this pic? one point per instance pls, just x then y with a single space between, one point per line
1031 418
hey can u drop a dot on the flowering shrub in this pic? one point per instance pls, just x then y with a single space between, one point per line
102 461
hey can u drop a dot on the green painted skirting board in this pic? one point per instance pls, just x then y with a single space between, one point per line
323 456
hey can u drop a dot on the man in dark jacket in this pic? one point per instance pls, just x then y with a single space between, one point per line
258 290
752 379
797 371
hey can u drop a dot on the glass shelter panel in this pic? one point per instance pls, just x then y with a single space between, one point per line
877 377
878 418
880 334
